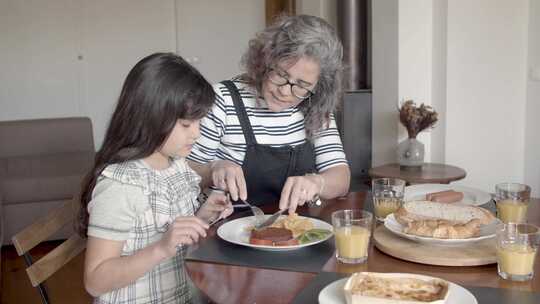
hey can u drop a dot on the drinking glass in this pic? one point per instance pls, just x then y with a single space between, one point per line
512 200
352 231
517 245
387 196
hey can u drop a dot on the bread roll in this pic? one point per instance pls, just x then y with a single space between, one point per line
454 213
440 220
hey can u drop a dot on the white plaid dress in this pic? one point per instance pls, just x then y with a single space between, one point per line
169 195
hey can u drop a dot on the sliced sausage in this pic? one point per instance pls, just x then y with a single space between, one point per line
429 196
447 197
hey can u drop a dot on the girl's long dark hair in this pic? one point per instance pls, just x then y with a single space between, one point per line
159 90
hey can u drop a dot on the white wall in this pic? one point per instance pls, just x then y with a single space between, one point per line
70 57
213 35
438 88
532 109
39 44
415 60
486 70
385 35
469 60
116 35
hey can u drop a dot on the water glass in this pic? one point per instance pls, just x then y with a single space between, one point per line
517 247
512 201
387 196
352 231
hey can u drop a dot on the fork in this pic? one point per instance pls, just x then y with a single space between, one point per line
257 212
215 221
269 221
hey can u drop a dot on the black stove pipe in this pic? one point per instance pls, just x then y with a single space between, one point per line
352 25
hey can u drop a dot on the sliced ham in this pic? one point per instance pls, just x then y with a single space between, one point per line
272 236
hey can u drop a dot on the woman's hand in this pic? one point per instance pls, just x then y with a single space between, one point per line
217 205
184 230
229 177
300 189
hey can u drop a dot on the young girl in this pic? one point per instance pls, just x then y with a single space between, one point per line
139 202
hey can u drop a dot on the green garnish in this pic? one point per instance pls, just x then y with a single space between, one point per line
313 235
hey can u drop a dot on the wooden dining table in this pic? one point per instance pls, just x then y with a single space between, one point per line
225 283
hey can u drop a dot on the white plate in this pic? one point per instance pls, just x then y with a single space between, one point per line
237 232
333 293
470 196
486 232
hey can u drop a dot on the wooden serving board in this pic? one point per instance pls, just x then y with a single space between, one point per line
472 254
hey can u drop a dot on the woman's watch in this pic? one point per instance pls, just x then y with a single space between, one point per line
315 202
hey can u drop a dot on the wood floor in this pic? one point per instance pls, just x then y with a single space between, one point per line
65 286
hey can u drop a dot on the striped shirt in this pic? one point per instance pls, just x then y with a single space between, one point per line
222 137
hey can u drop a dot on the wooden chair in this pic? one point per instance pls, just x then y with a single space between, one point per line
39 231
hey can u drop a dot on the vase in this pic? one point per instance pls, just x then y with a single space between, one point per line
410 154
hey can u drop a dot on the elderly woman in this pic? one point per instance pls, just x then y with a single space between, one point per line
271 134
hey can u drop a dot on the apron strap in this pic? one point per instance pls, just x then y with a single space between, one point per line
241 112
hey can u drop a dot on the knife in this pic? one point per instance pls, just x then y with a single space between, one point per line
270 220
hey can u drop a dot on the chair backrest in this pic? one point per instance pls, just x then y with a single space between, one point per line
39 231
46 136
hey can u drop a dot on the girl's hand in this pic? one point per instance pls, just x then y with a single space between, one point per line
184 230
217 205
298 190
229 177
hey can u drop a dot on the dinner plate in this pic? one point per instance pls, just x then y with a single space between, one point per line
471 196
237 232
486 232
333 293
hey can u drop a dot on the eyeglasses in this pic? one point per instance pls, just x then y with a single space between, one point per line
278 78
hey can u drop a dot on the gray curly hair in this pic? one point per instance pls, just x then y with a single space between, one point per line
291 38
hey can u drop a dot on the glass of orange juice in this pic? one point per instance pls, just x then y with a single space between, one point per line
512 201
517 247
352 231
387 196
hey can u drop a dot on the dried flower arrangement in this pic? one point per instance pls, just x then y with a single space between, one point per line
416 119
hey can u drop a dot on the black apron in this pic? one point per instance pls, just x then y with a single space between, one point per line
266 168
